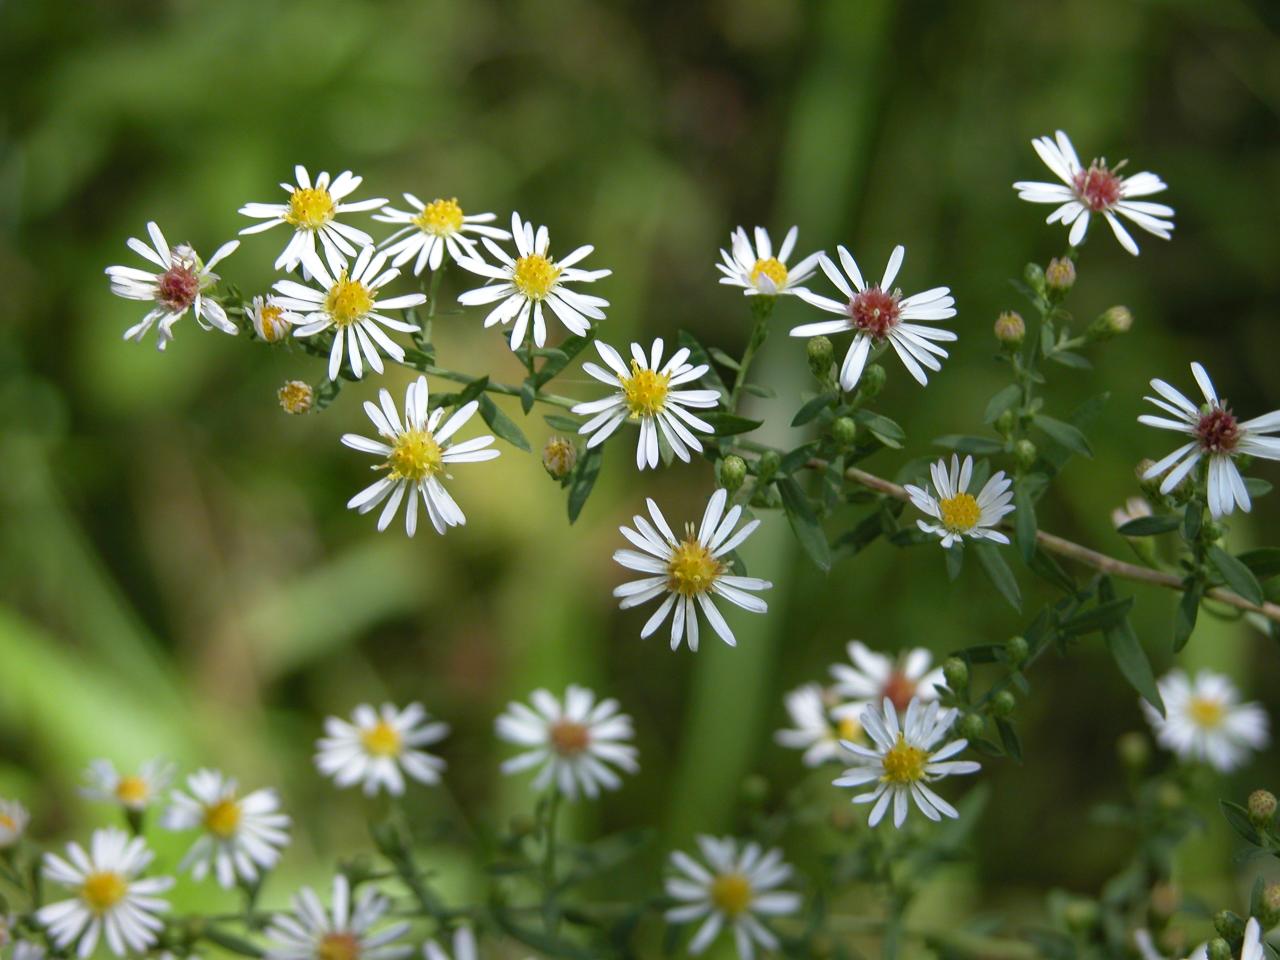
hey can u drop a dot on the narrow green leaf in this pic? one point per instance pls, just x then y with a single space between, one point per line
558 358
1238 817
1237 575
998 572
1150 526
472 390
1009 737
527 394
557 421
882 428
730 424
1024 518
812 408
502 425
1104 616
979 446
1070 359
1192 520
1128 654
724 359
1184 619
1064 434
1263 562
955 559
804 523
583 480
1002 401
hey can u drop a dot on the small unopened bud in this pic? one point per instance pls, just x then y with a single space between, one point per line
733 471
1262 808
972 726
1170 797
1005 422
1219 949
1060 275
1033 273
1110 323
1135 750
1010 329
559 455
768 465
296 397
1002 704
755 789
1025 453
821 356
872 381
1228 924
844 431
956 672
1016 649
1165 900
1081 915
1269 906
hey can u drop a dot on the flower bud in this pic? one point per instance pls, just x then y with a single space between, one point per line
1002 704
873 379
1010 329
1262 808
270 322
1111 322
768 465
1135 750
1016 649
821 356
1081 914
1060 275
1170 797
844 431
1005 422
1025 453
1269 906
1219 949
972 726
296 397
956 672
559 455
733 471
1228 924
1033 274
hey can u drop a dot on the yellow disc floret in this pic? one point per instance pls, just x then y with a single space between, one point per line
1206 713
382 739
103 889
692 569
772 268
645 391
415 455
534 276
848 728
338 946
904 763
347 301
222 818
441 218
132 791
309 208
960 513
731 893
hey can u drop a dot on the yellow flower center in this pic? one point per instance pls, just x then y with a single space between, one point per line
645 391
309 208
296 397
381 740
960 513
7 822
222 817
731 893
338 946
904 763
132 791
569 738
415 455
534 276
347 301
848 728
103 889
1206 713
771 268
440 217
273 328
692 569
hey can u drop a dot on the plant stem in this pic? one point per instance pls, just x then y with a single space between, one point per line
551 814
762 309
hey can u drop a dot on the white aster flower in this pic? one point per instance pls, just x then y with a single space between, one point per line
29 950
531 279
239 836
1215 434
1097 189
737 886
132 791
819 723
13 822
1205 721
757 270
464 947
432 228
645 393
872 677
181 284
690 571
111 901
348 303
956 512
880 313
1146 945
417 453
271 320
575 744
312 211
379 746
343 932
904 759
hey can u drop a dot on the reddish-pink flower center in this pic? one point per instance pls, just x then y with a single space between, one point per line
899 688
875 312
1218 431
1098 188
178 287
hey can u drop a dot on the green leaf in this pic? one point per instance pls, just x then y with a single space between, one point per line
527 394
502 425
1237 575
998 572
882 428
1150 526
729 424
1192 520
812 408
793 460
1103 616
559 358
1024 518
472 390
1063 434
584 479
724 359
759 390
955 559
1263 562
697 356
1009 737
1184 619
979 446
804 523
557 421
1128 654
1002 401
1069 359
1238 817
1257 487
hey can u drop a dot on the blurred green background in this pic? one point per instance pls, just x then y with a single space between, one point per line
178 574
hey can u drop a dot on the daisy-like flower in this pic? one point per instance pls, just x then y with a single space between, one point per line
956 512
904 759
348 302
870 677
429 229
645 392
1205 721
111 901
378 747
464 947
13 822
819 723
417 453
312 212
755 268
690 571
880 313
132 791
736 887
343 932
1096 189
531 279
1216 435
1146 945
29 950
576 744
239 836
180 284
271 321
